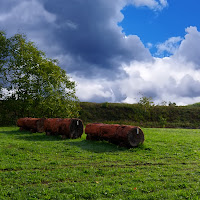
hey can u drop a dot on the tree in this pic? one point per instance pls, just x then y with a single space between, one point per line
35 85
147 102
3 55
172 104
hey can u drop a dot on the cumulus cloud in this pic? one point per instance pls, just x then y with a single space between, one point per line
165 79
156 5
94 90
86 32
31 18
175 78
107 64
171 78
170 46
27 14
33 12
97 42
190 47
99 90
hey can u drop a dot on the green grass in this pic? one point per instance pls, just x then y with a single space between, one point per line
36 166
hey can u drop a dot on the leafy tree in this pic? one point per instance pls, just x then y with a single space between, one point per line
147 102
35 85
172 104
3 55
163 103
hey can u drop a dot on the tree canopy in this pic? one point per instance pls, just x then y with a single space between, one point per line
32 84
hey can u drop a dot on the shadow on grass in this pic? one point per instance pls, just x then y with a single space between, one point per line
38 137
15 132
96 146
28 136
88 145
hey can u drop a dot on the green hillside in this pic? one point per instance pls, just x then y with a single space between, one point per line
137 114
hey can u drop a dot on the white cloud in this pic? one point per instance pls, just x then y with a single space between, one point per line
94 90
164 3
149 45
189 49
170 46
152 4
164 79
28 12
173 78
95 46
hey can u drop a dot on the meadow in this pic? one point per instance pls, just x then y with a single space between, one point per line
36 166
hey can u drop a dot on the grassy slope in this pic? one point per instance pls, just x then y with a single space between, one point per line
155 116
135 114
35 166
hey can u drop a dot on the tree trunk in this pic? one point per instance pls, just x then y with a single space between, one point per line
127 136
68 128
31 124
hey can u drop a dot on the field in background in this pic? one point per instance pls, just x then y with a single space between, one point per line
36 166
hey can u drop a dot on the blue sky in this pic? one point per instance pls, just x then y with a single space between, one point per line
116 50
157 26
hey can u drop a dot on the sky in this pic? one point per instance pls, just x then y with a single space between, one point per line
116 50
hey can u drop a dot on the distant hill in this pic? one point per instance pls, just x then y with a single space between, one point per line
137 114
195 105
134 114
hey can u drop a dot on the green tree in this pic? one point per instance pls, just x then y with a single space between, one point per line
172 104
35 85
147 102
3 56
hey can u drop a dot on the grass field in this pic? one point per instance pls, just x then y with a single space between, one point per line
36 166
